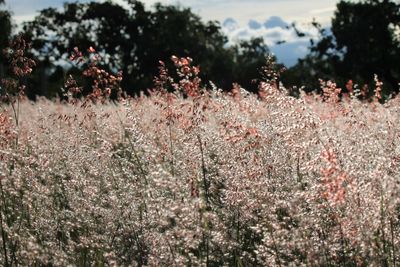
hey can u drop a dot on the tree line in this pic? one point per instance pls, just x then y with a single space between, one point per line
363 41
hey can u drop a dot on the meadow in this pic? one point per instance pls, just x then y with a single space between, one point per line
194 176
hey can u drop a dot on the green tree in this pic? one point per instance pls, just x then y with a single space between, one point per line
6 28
54 34
364 41
250 57
130 39
365 34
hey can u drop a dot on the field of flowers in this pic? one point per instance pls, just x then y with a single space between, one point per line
195 177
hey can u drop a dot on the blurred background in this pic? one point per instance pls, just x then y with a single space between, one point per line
229 39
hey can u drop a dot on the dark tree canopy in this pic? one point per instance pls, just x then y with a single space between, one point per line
250 57
365 33
364 41
134 39
6 27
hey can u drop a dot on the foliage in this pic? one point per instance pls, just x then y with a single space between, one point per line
250 58
20 66
363 42
5 26
134 39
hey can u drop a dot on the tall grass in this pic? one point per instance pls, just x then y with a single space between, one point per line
195 177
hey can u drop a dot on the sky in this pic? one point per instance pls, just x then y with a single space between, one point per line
241 19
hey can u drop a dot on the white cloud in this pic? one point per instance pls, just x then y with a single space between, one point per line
22 18
323 10
301 11
283 42
242 11
271 35
25 10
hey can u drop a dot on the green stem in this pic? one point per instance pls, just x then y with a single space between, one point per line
171 147
278 259
393 245
204 171
3 233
